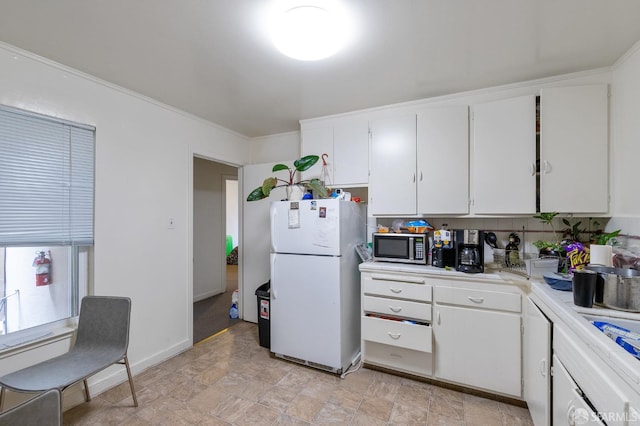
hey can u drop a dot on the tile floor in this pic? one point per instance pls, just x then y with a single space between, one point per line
229 379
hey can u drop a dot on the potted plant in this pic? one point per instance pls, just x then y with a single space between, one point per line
300 165
547 248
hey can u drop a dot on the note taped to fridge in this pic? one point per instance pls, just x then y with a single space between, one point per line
294 218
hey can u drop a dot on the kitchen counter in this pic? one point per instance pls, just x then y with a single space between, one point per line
558 305
491 275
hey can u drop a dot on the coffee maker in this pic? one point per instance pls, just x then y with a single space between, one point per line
469 245
443 253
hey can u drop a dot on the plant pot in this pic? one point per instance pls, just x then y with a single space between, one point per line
295 192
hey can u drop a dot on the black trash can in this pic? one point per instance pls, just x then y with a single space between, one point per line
264 327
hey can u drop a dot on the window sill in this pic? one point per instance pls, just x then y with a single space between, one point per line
33 340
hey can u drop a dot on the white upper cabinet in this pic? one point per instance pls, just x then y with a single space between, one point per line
392 184
574 161
443 160
504 156
346 143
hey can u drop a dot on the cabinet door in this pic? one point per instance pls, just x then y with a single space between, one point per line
443 160
392 183
504 156
574 161
537 364
569 407
351 153
478 348
317 141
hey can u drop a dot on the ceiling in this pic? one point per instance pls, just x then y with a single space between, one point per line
211 57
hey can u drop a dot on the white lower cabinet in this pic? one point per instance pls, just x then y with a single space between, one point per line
569 404
537 364
466 334
396 322
583 386
478 346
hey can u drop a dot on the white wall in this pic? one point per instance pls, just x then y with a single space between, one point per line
275 148
144 175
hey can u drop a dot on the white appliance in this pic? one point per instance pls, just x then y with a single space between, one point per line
315 282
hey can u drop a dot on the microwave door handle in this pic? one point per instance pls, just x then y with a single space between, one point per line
411 248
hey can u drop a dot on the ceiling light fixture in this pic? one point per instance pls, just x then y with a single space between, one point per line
309 30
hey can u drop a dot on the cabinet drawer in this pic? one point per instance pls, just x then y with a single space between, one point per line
401 359
396 333
501 301
399 308
398 287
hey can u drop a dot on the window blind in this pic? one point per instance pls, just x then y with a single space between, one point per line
46 180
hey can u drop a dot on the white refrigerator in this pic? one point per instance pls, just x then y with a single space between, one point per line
315 282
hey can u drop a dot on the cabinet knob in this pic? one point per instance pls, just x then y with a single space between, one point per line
546 167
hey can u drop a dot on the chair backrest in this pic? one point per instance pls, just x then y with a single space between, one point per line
104 322
44 409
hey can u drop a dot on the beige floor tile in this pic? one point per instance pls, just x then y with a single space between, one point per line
379 408
362 419
434 419
482 416
331 413
278 397
408 415
304 407
446 407
417 398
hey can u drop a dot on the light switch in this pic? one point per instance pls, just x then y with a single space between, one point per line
171 223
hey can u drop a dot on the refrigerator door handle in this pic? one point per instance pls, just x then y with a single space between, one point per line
273 212
273 290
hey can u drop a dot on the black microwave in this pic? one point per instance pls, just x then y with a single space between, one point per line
403 248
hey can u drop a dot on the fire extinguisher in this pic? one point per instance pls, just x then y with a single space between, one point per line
42 263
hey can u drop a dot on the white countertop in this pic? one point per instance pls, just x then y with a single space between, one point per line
561 305
491 275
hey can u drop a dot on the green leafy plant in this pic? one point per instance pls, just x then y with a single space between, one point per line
602 238
547 219
572 232
300 165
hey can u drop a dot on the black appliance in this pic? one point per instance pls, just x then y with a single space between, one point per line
469 245
442 257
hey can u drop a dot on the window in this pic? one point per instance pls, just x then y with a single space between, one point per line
46 220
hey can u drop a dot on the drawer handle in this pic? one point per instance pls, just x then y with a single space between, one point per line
395 290
395 309
403 280
476 299
395 355
543 367
394 336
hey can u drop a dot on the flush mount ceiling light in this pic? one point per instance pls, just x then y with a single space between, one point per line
309 30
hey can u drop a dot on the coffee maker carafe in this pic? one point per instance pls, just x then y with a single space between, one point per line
469 244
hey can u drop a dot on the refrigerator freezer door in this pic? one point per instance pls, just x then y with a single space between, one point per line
306 316
325 227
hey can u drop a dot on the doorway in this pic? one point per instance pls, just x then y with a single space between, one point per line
215 229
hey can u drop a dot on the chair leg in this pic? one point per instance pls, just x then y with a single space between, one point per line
133 391
87 397
2 391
